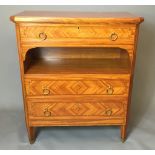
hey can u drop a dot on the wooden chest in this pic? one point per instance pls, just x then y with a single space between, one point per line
76 68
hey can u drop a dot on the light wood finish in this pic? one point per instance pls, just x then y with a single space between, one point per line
76 68
76 17
52 109
96 66
31 134
76 87
78 60
47 34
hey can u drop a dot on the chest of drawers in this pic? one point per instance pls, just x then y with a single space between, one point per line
76 68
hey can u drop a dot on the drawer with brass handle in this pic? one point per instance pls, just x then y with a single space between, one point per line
76 87
55 33
53 109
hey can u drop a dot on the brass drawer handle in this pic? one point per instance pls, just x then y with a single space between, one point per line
46 91
108 112
110 91
47 113
113 36
42 36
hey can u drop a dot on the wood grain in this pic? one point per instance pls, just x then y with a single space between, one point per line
50 110
85 75
76 17
109 34
75 87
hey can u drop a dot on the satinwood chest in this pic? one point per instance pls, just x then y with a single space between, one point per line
76 68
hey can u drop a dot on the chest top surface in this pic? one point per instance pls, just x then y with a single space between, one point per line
76 17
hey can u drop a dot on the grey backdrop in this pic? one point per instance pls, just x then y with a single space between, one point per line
142 119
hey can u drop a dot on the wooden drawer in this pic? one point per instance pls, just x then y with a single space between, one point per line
38 87
62 34
76 109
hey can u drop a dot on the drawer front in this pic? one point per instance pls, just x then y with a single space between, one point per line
76 87
54 109
63 34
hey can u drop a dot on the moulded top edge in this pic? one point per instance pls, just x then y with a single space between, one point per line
76 17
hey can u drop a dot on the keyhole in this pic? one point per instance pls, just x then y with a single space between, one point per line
78 28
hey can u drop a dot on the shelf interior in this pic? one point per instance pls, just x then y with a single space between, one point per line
77 61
